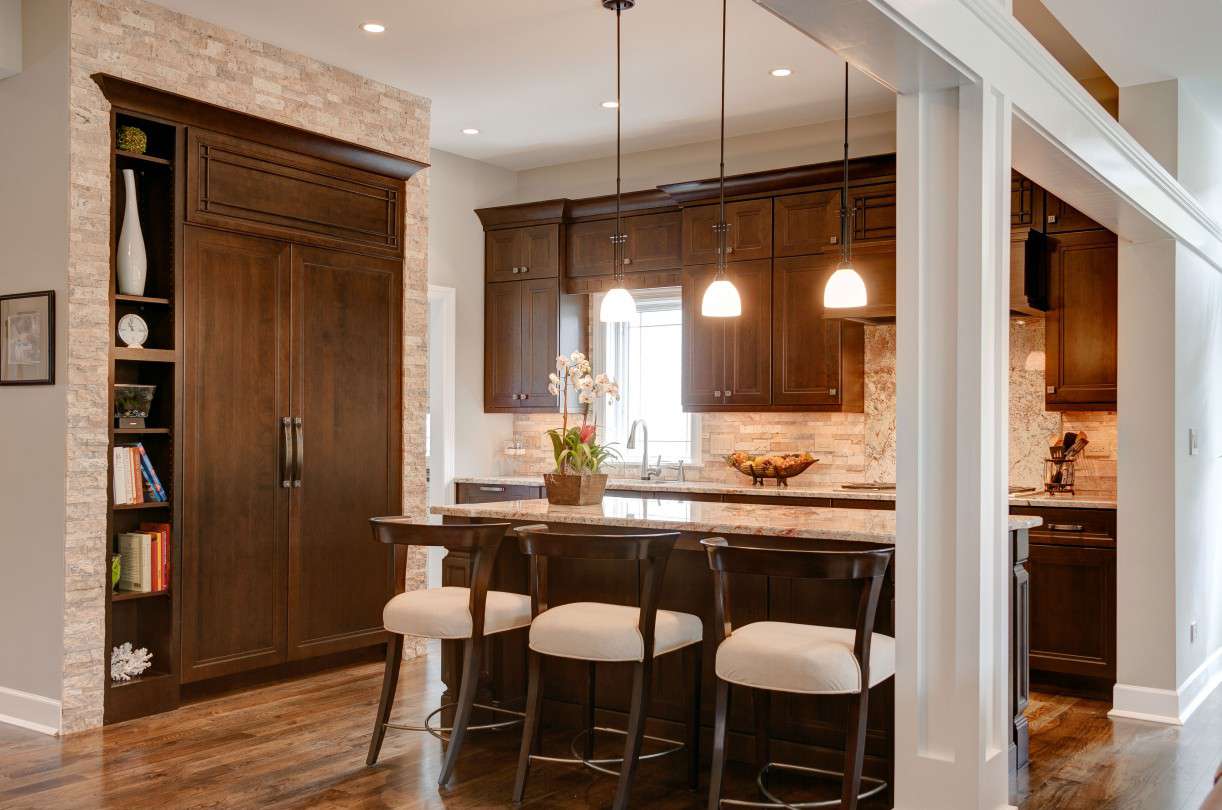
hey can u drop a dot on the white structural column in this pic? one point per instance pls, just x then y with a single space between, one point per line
952 603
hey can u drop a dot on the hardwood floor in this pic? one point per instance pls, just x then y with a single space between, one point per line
302 744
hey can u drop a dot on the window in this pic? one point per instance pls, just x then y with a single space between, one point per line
645 356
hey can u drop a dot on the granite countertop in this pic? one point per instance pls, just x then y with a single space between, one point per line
794 490
814 523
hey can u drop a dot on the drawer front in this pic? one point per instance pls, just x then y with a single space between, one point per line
492 493
1072 527
232 183
664 496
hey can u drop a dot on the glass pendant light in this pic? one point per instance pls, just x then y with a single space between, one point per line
721 299
618 304
845 289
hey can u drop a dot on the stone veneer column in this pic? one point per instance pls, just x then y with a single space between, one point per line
951 688
153 45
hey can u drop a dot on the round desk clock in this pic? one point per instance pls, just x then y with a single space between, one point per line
133 330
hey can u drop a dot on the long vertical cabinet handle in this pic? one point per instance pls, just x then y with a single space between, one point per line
300 449
286 463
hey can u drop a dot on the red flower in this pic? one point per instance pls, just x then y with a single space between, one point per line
587 434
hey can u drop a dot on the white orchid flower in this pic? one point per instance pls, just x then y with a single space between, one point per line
561 362
602 379
554 390
553 379
585 398
586 383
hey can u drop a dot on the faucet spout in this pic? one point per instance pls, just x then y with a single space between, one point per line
631 445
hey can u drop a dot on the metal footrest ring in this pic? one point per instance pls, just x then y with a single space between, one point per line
597 764
440 731
761 780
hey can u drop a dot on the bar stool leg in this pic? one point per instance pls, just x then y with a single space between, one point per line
472 653
761 704
719 744
641 682
390 680
694 658
588 749
530 728
854 751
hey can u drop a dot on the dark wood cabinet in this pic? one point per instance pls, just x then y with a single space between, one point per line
1081 324
526 324
1029 258
652 242
873 207
346 344
817 360
489 493
1026 203
515 253
806 223
236 513
727 361
749 238
1060 217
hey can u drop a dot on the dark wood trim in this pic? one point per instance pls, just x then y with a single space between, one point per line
793 178
141 98
532 213
650 201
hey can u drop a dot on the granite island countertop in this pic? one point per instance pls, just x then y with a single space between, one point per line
794 490
806 522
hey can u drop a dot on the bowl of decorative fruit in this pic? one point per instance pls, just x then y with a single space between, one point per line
780 466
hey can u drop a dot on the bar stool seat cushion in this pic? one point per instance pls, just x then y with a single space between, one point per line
595 631
802 658
445 613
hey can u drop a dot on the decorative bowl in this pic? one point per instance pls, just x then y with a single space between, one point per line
780 466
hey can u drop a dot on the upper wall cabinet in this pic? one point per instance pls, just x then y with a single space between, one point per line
653 242
1026 203
750 236
511 254
873 211
1060 217
806 223
1080 328
234 183
727 361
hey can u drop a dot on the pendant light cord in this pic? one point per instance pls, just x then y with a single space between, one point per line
723 227
618 244
846 230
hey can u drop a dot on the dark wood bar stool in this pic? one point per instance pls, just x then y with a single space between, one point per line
597 632
470 614
801 659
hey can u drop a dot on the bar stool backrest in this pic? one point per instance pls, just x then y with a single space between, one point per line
867 567
650 550
481 540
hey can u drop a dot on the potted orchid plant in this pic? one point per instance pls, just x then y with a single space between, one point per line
578 479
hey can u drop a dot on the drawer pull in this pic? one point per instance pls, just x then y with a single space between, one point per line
1066 527
491 489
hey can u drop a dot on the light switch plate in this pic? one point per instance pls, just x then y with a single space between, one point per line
1192 633
1194 445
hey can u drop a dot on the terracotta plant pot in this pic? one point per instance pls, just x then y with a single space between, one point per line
575 490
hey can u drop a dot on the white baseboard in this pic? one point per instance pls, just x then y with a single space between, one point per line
1171 706
35 712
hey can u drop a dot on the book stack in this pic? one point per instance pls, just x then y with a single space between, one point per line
144 559
134 479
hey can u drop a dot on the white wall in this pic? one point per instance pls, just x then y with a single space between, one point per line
34 256
457 186
818 143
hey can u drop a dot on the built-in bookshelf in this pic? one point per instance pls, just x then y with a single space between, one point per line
148 619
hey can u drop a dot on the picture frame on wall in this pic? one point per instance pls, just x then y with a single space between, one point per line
27 338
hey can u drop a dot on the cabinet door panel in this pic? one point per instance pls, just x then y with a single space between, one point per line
235 511
807 223
1060 217
873 211
654 242
1073 610
503 340
748 378
703 343
806 344
346 390
503 254
541 251
750 235
1081 327
540 322
590 249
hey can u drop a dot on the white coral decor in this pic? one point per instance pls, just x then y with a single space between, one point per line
126 663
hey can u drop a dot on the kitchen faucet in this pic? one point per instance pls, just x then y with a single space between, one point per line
647 472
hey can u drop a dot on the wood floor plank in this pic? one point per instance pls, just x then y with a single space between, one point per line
301 744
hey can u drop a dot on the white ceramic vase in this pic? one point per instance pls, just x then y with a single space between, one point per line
132 260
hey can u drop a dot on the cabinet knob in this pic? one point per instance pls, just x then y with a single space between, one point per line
717 393
514 271
627 261
525 396
833 240
1052 389
524 269
727 393
729 249
831 392
1052 219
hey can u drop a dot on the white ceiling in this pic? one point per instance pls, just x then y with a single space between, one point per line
531 74
1140 41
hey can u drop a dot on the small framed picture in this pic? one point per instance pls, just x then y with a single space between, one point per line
27 338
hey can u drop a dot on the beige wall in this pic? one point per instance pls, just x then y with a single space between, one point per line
34 235
155 46
458 186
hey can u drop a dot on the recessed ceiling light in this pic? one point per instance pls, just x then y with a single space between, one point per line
610 105
470 131
373 27
780 73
